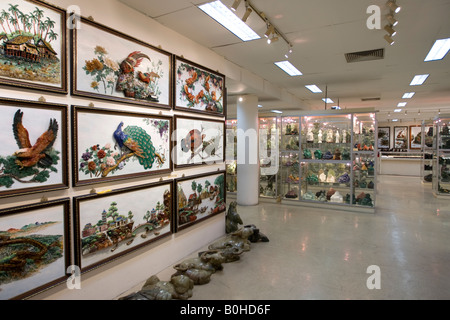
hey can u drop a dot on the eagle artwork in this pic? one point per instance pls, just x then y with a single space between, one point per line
31 162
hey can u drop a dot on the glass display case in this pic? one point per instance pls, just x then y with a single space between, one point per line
231 155
336 160
441 156
269 139
428 145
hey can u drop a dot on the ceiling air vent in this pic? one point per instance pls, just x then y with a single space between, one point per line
370 99
369 55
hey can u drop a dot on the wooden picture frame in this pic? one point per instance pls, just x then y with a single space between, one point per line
35 248
110 225
401 137
99 155
110 65
384 138
415 134
198 198
35 58
33 148
198 89
198 141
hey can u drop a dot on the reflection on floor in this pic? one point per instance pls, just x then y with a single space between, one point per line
325 254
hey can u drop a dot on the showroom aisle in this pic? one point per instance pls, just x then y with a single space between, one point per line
325 254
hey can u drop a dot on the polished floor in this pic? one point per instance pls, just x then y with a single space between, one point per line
325 254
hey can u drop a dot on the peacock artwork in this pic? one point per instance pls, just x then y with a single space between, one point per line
199 89
113 66
32 150
124 145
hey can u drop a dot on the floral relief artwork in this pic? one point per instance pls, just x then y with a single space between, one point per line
32 45
34 248
33 149
110 65
123 146
199 89
118 222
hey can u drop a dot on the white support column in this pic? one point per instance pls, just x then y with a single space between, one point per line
247 151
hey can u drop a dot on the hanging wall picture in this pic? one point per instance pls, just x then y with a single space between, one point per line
401 137
110 225
199 89
114 145
199 197
33 148
384 138
108 64
33 45
416 137
198 141
34 248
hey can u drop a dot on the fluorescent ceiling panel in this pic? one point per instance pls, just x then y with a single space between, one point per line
313 88
408 95
419 80
287 67
398 110
402 104
219 12
439 50
328 100
277 111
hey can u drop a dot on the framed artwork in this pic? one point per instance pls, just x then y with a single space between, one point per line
198 141
384 138
401 137
110 225
199 89
114 145
33 148
33 45
416 136
199 197
34 248
108 64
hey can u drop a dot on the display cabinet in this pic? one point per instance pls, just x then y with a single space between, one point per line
231 155
428 146
269 140
336 160
441 157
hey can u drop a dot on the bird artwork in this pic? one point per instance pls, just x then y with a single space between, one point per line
192 141
30 155
134 141
135 84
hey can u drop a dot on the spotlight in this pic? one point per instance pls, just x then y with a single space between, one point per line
393 6
392 20
247 14
389 39
270 30
389 30
235 5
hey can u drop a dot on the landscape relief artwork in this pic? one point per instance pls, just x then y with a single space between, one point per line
121 221
32 44
32 249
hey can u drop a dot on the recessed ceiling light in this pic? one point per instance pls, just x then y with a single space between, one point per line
398 110
419 80
328 100
402 104
408 95
313 88
287 67
394 120
277 111
439 50
260 106
219 12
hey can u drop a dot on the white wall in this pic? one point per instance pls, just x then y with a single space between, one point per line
111 280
